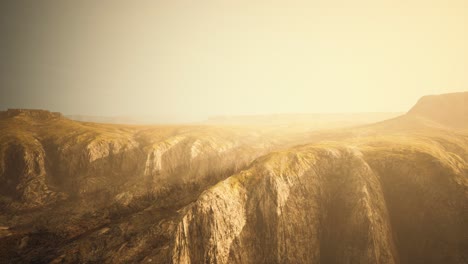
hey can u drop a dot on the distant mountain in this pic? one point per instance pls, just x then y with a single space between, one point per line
447 109
105 119
315 121
129 120
319 120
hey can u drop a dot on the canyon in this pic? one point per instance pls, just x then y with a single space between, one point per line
392 191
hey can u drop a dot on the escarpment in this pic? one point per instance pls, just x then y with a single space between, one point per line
322 205
447 109
74 159
331 204
81 177
391 192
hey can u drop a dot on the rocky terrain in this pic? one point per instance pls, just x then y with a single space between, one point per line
389 192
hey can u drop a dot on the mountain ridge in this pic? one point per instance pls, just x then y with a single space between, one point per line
87 192
447 109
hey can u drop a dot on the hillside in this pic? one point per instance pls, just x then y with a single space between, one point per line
389 192
447 109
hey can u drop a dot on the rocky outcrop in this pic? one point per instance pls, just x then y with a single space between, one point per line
209 227
32 113
23 174
97 165
330 205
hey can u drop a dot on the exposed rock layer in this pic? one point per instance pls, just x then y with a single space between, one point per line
332 204
392 192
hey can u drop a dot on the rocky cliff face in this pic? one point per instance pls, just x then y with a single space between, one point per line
23 173
45 157
68 179
329 204
392 192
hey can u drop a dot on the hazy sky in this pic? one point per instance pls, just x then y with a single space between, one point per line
186 60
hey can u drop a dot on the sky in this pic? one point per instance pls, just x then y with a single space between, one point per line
189 60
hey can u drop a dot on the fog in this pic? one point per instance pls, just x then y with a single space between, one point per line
180 61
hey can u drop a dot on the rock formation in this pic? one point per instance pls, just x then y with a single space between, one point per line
390 192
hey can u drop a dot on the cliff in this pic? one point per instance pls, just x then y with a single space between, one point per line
80 192
334 204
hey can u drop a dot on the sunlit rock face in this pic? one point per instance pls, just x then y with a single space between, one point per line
331 204
391 192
